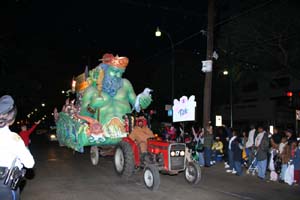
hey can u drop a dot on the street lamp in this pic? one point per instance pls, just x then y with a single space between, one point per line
158 33
226 73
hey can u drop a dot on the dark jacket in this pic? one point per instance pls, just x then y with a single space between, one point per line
263 148
208 140
237 151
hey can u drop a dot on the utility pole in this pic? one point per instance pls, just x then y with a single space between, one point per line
209 53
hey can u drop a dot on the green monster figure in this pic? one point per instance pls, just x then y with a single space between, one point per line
107 98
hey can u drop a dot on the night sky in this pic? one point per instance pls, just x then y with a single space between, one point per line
54 40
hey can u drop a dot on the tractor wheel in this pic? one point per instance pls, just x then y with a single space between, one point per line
94 155
151 177
124 160
192 173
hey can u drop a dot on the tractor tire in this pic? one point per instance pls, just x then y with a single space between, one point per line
124 160
192 173
151 177
94 155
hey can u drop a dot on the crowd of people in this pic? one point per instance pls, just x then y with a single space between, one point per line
271 155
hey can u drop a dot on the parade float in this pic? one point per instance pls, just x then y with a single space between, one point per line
96 116
103 114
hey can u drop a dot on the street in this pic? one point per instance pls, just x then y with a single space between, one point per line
61 175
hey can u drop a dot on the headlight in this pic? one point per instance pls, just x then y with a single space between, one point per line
52 136
182 153
172 153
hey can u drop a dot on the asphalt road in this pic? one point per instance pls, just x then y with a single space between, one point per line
61 175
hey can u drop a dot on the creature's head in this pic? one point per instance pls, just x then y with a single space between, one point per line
114 68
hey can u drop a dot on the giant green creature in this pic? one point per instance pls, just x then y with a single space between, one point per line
97 117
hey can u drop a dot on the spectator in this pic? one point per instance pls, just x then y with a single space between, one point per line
217 149
262 148
208 141
274 162
250 145
296 161
230 153
290 136
198 140
285 158
236 147
25 133
275 138
244 140
172 133
227 134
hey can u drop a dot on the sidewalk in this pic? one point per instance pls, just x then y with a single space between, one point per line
245 186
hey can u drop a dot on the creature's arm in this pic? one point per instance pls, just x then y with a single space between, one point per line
131 94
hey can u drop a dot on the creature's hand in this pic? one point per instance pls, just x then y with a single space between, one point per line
145 101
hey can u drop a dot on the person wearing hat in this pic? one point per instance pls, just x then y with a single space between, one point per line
13 151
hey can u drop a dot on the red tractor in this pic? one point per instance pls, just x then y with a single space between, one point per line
162 156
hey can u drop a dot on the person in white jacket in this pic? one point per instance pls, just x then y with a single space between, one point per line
12 148
250 144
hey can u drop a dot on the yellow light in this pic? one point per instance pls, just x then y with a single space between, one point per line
225 72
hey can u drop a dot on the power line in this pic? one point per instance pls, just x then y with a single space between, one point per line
243 13
202 30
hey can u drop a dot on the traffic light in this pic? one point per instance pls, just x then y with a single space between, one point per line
289 94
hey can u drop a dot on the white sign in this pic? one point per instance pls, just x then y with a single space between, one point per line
184 109
218 120
297 114
206 66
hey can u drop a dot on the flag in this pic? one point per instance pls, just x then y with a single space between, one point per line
86 72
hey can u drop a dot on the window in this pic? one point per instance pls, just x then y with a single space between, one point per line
250 87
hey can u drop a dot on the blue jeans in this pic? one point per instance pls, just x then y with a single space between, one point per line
200 158
238 167
262 167
207 156
230 159
283 170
